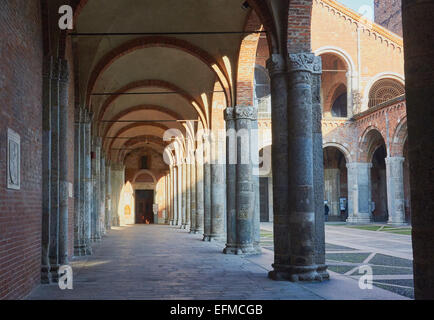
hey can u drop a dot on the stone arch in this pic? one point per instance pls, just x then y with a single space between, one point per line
144 171
247 60
158 41
259 6
383 75
371 139
153 83
399 139
118 116
136 125
341 148
341 53
338 89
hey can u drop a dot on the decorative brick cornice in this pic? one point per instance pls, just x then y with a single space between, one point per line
376 29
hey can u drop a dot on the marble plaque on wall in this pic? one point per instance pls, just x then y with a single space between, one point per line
13 160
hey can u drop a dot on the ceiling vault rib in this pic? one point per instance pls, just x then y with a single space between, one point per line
130 121
142 93
104 34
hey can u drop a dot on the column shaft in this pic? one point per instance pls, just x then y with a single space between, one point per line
207 190
46 169
218 188
318 170
231 187
199 188
395 190
301 189
279 113
359 193
55 182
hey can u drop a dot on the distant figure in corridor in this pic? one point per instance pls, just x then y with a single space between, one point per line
326 212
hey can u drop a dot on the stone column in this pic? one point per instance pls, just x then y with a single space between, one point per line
332 179
359 193
117 182
254 153
418 27
179 190
46 169
102 197
175 197
63 162
193 200
245 184
206 189
318 170
279 113
395 190
218 188
108 205
184 196
96 175
171 195
55 179
301 183
166 200
188 191
231 187
78 149
87 185
199 188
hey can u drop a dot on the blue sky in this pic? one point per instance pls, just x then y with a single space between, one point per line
360 5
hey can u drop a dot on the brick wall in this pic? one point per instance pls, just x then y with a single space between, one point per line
21 110
388 14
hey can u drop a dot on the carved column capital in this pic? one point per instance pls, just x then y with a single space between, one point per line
246 112
317 65
276 64
229 114
301 62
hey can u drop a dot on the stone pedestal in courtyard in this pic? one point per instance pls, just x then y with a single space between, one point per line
359 193
395 190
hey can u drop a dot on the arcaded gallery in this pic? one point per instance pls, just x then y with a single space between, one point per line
216 149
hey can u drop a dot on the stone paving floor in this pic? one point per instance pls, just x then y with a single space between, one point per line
389 254
163 262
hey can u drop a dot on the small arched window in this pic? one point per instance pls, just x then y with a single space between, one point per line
385 90
262 92
339 106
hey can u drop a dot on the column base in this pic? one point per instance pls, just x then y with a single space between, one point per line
359 220
79 251
45 275
206 238
242 250
217 237
295 273
396 223
197 231
322 271
54 272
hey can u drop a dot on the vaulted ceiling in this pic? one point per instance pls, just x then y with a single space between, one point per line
175 51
